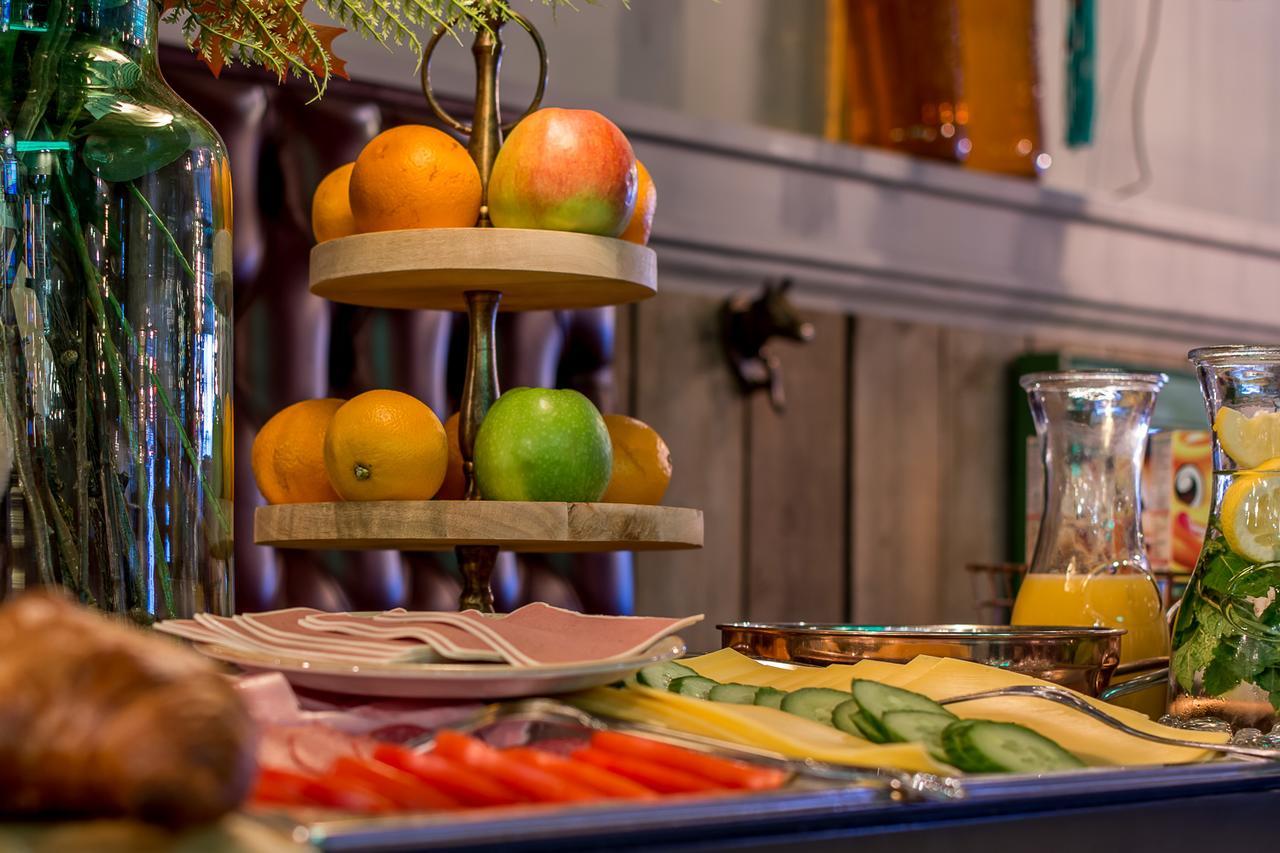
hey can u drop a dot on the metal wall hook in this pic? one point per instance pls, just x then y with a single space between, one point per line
749 320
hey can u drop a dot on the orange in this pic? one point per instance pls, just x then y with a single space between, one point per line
330 208
641 462
385 446
637 230
288 454
455 484
414 177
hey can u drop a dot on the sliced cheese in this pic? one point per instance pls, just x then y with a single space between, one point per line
750 725
938 678
727 666
1093 741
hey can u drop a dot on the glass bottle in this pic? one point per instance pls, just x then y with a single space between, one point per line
904 78
115 321
1090 565
1226 637
1001 105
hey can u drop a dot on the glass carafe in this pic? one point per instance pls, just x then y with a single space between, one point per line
115 318
1226 638
1090 566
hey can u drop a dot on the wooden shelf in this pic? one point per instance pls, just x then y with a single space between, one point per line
432 268
512 525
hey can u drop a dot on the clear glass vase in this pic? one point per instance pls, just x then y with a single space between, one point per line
1090 565
115 340
1226 638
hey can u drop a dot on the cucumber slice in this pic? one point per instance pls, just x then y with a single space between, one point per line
770 697
878 699
814 703
734 693
660 675
849 718
983 746
912 726
955 745
933 746
692 685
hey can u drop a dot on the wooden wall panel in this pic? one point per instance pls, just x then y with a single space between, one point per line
973 401
685 391
797 519
897 428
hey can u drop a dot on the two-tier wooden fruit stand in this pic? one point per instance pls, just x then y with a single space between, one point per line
479 270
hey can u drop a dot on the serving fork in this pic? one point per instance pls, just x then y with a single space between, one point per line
1066 697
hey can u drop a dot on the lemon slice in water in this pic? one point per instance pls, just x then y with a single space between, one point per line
1251 513
1249 441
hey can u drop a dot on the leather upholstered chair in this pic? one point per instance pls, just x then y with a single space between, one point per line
292 346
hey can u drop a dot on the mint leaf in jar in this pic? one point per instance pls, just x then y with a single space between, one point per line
1194 653
1224 671
1221 570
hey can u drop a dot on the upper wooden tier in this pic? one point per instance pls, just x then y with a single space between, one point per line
442 525
434 267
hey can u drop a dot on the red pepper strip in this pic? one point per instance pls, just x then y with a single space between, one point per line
534 782
659 777
466 786
281 787
731 774
403 789
607 783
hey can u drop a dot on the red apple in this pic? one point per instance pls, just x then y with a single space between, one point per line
564 170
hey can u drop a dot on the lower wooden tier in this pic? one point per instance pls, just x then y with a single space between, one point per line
511 525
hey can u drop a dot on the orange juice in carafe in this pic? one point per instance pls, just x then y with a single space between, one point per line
1090 565
1129 601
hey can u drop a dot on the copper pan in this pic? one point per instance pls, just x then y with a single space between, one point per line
1083 659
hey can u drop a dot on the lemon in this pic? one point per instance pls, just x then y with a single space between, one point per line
1251 513
1249 441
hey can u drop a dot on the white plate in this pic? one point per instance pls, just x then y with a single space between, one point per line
445 680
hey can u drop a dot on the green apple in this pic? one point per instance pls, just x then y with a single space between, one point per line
540 444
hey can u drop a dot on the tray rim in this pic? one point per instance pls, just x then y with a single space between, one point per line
926 632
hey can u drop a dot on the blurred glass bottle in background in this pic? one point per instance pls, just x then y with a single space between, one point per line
952 80
1000 110
903 76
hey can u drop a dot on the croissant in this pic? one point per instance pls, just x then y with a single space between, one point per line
99 719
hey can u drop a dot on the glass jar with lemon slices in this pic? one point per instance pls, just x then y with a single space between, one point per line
1226 638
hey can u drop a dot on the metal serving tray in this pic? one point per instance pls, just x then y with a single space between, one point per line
820 798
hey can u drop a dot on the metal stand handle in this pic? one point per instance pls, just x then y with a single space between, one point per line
480 387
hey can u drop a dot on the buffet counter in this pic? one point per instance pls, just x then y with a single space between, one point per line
1170 809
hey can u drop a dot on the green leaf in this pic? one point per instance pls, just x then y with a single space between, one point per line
123 146
1223 672
1271 616
99 104
1255 583
1220 571
1268 679
1194 655
1275 699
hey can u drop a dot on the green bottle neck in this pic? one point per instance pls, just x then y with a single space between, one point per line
130 27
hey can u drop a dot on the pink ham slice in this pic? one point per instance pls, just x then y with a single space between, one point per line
450 641
273 704
534 635
315 748
539 634
188 629
279 632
